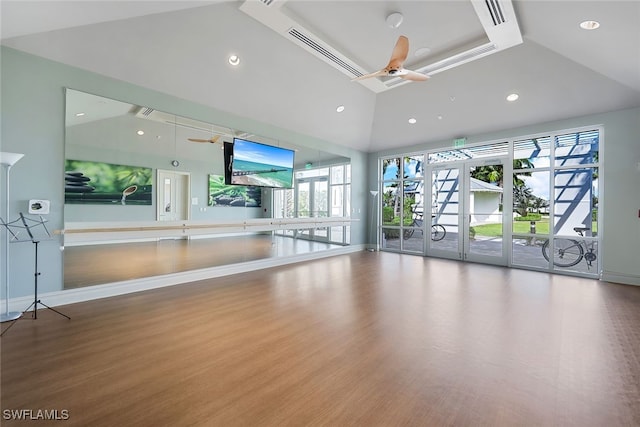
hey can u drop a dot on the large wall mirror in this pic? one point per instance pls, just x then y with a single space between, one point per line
145 195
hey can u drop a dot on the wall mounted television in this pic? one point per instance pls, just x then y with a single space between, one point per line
256 164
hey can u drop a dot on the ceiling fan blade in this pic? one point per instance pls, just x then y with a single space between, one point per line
400 52
414 76
212 140
376 74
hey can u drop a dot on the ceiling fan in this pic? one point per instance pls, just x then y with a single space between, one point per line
211 140
394 67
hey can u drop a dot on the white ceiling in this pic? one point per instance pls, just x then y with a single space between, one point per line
181 48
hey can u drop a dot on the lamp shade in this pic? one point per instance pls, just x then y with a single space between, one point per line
10 159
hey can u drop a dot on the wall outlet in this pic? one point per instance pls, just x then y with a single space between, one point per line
39 207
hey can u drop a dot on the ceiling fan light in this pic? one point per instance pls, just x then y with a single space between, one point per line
394 20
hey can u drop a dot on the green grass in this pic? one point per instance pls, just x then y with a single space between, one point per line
519 227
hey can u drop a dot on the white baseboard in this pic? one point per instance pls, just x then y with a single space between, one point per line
72 296
625 279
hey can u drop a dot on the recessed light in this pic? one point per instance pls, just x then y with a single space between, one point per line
589 25
234 60
340 108
422 51
140 132
79 114
512 97
412 120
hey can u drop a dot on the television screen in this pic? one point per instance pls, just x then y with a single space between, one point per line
261 165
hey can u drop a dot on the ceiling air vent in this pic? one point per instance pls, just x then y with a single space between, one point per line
139 110
495 11
459 59
146 111
325 52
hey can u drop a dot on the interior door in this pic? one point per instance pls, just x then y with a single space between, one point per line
174 196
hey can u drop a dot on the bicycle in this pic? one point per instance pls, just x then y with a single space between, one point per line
437 230
569 252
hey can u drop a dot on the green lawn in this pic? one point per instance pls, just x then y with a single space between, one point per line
519 227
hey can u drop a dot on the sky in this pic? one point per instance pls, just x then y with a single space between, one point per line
262 153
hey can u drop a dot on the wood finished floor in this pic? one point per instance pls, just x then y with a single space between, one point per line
108 263
366 339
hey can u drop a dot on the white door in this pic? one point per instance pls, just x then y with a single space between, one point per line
174 196
446 212
468 212
312 202
485 212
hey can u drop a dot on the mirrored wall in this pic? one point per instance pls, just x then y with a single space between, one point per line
145 195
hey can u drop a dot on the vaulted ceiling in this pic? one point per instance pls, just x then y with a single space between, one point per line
298 59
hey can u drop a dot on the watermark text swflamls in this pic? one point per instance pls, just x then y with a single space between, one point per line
36 414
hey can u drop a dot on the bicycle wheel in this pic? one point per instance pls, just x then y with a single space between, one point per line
407 233
437 232
566 252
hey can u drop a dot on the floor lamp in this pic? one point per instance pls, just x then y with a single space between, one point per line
7 160
374 220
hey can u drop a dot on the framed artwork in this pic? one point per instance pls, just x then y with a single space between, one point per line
87 182
221 194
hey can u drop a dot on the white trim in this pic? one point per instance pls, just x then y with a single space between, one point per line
625 279
88 293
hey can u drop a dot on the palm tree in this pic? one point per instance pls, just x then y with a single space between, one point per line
495 173
521 197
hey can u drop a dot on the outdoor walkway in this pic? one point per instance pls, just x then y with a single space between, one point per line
524 253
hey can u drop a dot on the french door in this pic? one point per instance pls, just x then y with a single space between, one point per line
468 201
312 202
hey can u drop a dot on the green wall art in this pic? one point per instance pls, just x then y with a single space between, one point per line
87 182
221 194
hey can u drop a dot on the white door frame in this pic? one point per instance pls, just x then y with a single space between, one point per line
457 244
185 200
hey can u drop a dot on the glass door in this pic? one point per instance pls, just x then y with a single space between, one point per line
484 212
312 202
320 207
445 219
467 215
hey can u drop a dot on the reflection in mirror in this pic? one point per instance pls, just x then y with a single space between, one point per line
145 194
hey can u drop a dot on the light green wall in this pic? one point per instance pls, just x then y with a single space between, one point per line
32 108
620 196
